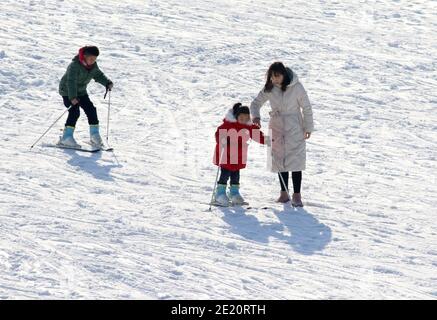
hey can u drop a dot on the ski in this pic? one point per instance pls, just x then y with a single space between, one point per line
216 204
82 148
229 205
107 148
244 205
102 147
247 206
259 208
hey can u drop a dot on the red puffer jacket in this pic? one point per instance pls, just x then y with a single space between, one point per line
234 136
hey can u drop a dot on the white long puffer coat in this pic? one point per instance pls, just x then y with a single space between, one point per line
291 116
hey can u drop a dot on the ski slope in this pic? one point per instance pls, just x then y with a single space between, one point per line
82 226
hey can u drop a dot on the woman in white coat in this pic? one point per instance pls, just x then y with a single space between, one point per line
291 123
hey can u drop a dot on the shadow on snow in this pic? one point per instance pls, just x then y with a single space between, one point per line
297 227
91 165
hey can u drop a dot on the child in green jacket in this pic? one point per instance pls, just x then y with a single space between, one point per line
72 88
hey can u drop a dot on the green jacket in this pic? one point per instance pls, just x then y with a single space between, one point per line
75 80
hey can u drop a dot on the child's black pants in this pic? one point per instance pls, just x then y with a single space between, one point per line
74 113
225 174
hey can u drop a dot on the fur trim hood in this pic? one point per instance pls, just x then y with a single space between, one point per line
229 117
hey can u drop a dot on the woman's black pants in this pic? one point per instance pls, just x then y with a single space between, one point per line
296 177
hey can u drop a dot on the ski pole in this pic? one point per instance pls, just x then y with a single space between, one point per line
282 179
216 178
68 109
109 113
285 186
215 187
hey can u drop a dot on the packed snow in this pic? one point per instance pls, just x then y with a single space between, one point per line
135 224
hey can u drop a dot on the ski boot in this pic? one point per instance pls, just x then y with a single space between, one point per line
95 138
236 197
221 198
67 139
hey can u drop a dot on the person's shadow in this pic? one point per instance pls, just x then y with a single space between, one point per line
304 233
247 225
307 234
90 164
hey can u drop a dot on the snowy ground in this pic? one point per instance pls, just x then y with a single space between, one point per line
75 225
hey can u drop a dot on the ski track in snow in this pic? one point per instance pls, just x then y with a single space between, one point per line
76 225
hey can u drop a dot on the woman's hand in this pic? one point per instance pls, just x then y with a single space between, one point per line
74 101
307 135
257 121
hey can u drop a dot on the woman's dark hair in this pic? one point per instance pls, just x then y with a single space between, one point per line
277 68
238 109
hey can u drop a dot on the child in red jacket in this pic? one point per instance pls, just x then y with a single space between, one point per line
231 152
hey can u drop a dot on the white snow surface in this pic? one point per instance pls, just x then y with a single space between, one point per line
82 226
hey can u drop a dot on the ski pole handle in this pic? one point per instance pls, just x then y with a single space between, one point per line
108 88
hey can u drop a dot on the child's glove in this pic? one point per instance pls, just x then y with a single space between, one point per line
109 86
75 101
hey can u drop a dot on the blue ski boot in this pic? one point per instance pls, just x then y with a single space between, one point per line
236 197
67 139
95 139
221 197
